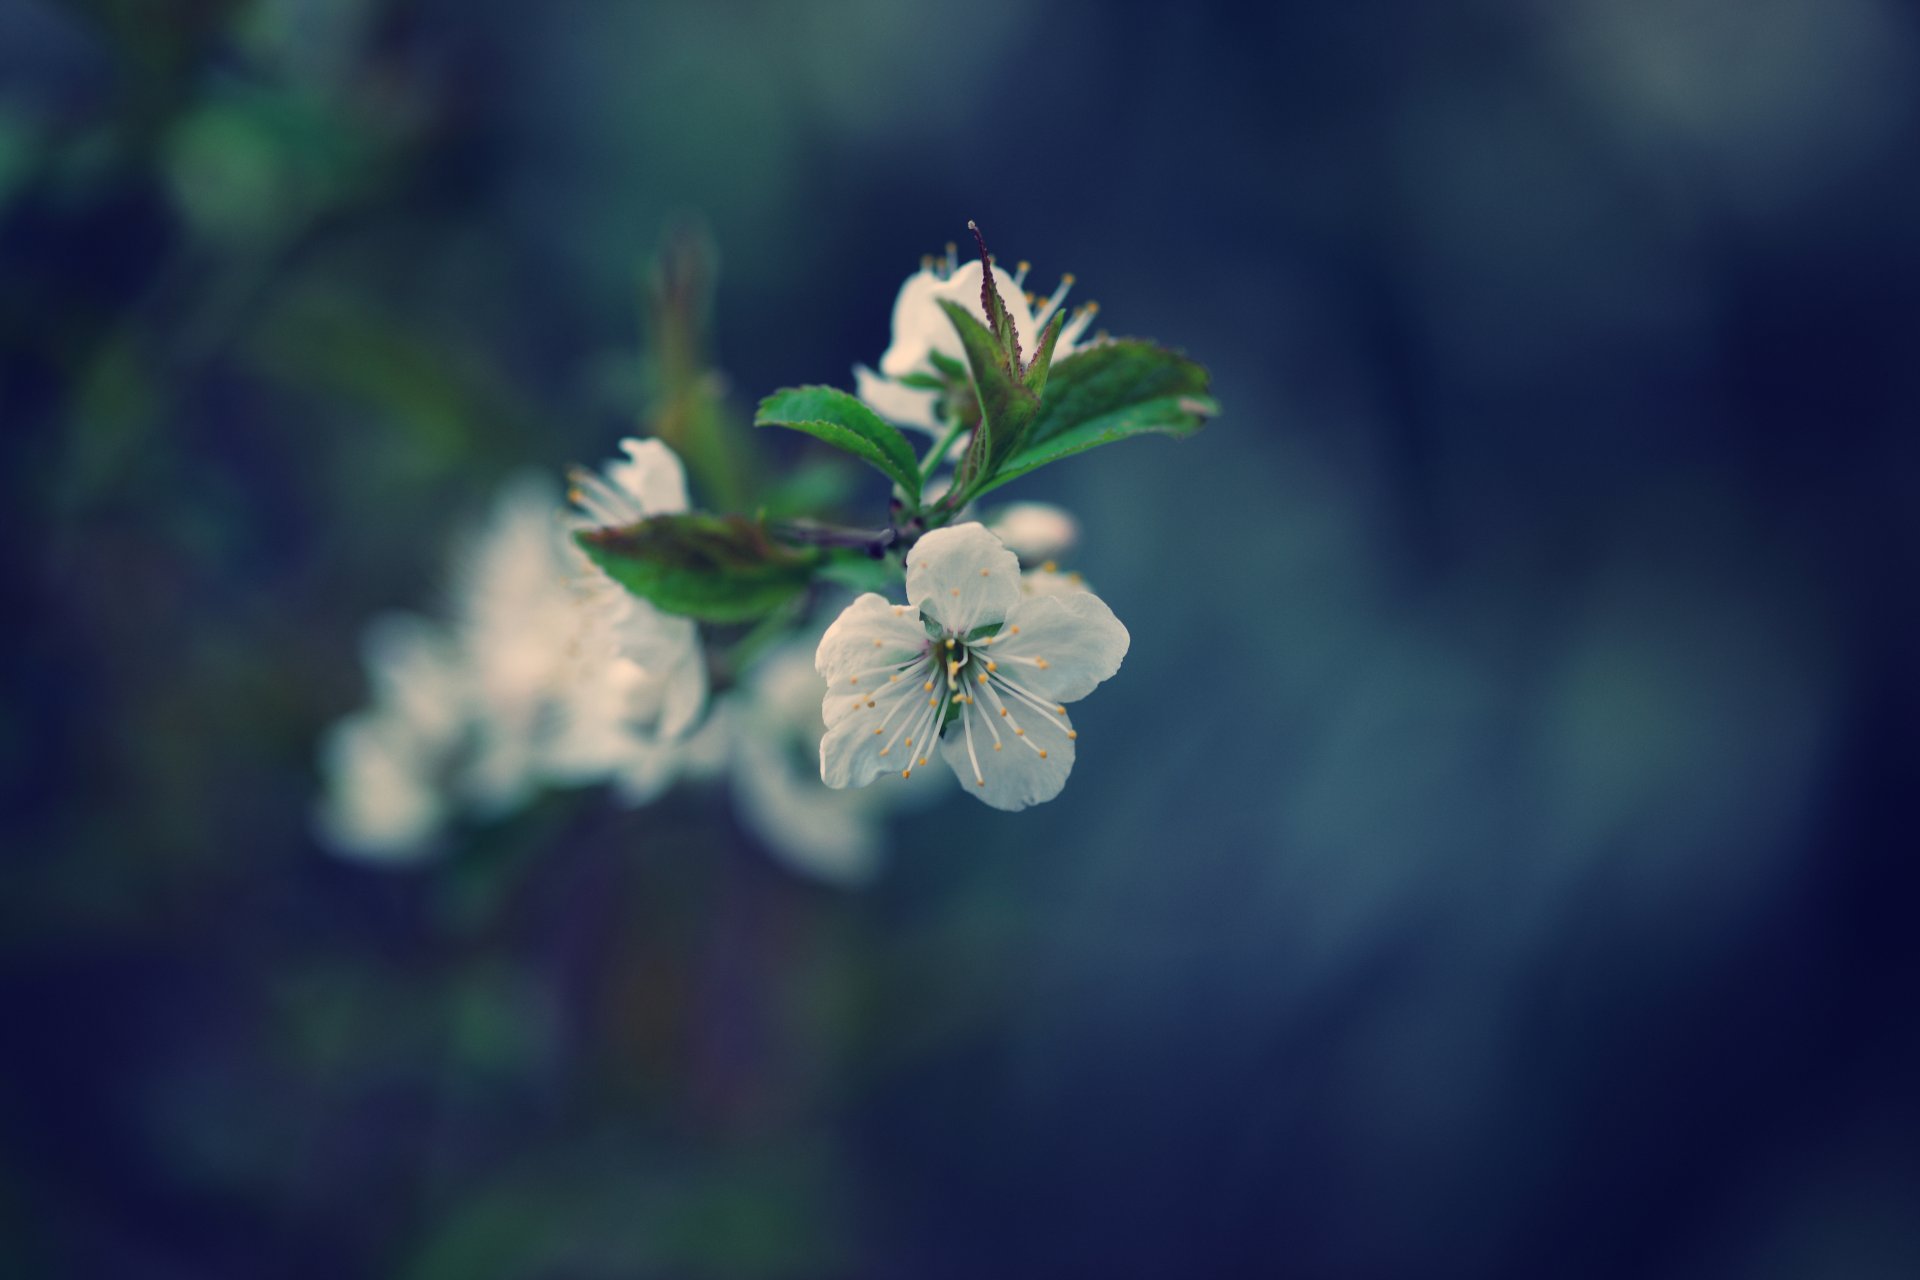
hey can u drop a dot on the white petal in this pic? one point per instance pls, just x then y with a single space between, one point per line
1075 635
685 696
380 802
907 406
914 314
921 326
415 669
653 475
1017 775
852 754
1045 582
961 577
1035 531
829 835
871 632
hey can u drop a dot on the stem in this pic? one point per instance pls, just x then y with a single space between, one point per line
816 534
938 453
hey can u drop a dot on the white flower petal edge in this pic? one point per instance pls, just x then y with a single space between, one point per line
971 663
921 329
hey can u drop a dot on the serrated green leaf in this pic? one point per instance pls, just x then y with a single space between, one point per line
994 308
1035 378
843 421
1106 393
714 568
1006 407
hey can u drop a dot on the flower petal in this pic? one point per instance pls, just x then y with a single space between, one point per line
870 633
921 327
653 475
1064 646
1018 774
1035 531
906 406
962 578
380 803
866 736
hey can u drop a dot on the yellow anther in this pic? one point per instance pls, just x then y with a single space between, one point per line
935 698
927 687
883 750
869 701
981 781
1073 733
1003 711
1019 733
953 591
1066 277
1061 710
950 638
853 679
909 741
1041 663
877 732
991 666
878 643
996 746
1043 754
957 697
1050 566
906 773
1014 630
1025 266
922 762
985 572
983 677
1092 308
893 679
969 700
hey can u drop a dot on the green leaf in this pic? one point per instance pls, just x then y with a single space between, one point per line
841 420
714 568
994 308
1006 407
1110 392
860 571
1035 377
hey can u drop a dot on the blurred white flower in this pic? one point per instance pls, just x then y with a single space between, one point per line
900 677
904 388
774 728
550 674
385 767
1035 531
1047 580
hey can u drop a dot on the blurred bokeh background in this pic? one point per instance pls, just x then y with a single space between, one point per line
1493 860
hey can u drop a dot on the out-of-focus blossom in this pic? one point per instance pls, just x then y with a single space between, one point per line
970 662
550 674
385 767
774 729
1035 531
909 385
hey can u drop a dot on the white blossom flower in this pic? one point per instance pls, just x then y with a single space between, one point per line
551 674
1035 531
921 330
384 767
970 666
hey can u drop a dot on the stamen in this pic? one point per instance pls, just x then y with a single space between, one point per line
1077 324
606 505
1042 316
953 257
1020 273
966 726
